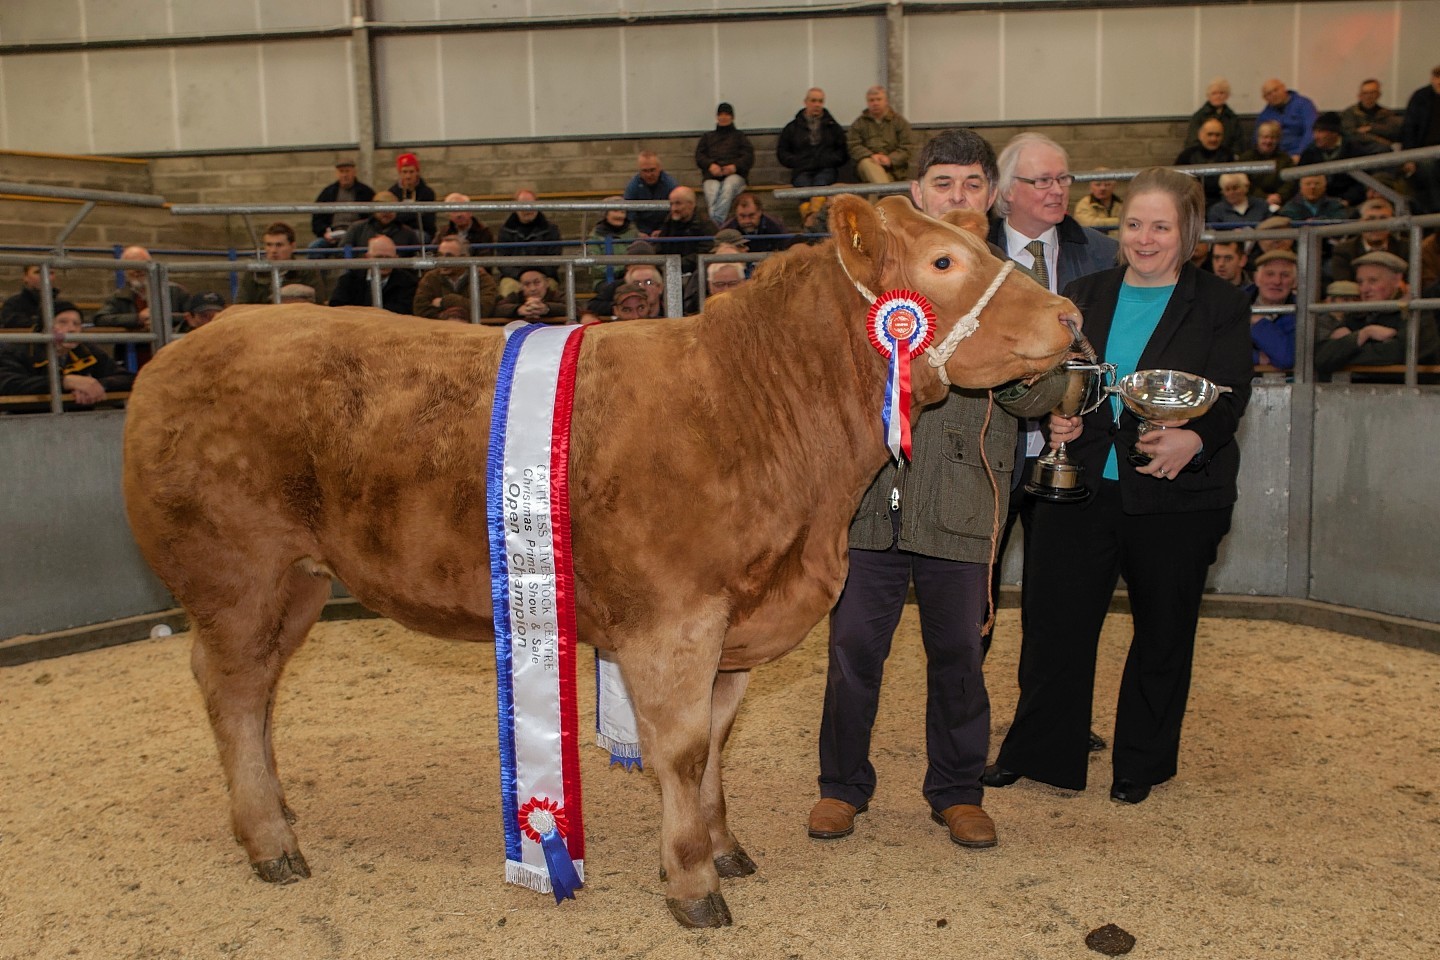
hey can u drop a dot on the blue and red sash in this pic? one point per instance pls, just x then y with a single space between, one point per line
533 589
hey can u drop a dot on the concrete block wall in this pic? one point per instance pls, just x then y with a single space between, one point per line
556 169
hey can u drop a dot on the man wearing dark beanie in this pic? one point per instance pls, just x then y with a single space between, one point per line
1330 143
724 156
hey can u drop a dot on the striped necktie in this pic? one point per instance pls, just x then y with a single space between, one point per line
1041 270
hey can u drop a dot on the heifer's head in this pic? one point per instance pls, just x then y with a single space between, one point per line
994 324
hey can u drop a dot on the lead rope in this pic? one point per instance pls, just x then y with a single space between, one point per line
995 523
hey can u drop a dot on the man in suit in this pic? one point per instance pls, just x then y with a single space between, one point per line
1035 231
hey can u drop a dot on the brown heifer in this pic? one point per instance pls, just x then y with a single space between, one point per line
716 463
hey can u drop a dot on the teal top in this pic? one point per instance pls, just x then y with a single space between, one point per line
1137 314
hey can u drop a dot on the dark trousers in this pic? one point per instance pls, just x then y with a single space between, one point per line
1074 553
951 597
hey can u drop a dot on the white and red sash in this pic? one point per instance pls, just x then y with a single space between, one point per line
533 590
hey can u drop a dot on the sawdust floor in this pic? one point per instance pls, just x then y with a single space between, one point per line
1305 821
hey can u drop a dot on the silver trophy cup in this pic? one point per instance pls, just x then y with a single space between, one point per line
1161 397
1055 477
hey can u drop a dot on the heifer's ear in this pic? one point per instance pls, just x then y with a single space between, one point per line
972 220
860 238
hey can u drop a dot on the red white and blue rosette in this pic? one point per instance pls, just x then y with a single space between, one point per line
901 324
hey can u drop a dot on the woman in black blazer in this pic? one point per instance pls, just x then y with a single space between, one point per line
1158 525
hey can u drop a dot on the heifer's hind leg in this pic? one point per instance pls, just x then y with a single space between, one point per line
237 658
731 860
672 693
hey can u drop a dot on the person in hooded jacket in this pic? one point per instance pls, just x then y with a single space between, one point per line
813 144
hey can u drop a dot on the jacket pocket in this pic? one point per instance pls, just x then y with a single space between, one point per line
963 495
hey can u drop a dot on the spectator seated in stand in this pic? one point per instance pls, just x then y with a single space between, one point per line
1210 150
1420 127
297 293
650 182
1295 114
1273 334
1367 120
1343 256
279 239
466 227
381 223
22 311
644 275
683 232
535 301
1377 338
722 278
397 287
812 145
129 308
611 237
1100 207
724 156
762 232
1227 261
631 303
1217 108
1279 243
1267 149
87 374
329 228
728 240
1330 144
880 141
410 187
530 227
444 293
1340 291
1237 203
202 308
1313 203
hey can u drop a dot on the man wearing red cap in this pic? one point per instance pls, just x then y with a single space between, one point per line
411 187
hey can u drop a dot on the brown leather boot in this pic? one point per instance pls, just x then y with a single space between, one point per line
831 819
970 826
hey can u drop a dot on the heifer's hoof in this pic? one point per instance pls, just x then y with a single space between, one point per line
736 863
288 868
709 912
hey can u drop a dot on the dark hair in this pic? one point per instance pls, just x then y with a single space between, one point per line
279 227
962 147
748 197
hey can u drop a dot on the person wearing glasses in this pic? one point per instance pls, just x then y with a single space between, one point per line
929 521
1158 523
1035 231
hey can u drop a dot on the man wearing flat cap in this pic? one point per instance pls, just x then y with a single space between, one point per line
1377 337
1273 334
330 227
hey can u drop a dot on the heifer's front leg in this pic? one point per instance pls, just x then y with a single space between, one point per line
671 691
731 860
237 658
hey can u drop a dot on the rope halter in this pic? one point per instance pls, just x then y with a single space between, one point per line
939 354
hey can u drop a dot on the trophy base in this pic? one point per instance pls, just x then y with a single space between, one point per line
1057 494
1056 479
1138 459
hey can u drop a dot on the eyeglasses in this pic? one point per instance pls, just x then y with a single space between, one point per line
647 282
1045 183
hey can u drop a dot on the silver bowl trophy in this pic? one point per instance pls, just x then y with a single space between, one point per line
1161 397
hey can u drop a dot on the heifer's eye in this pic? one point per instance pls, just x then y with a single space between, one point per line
942 264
